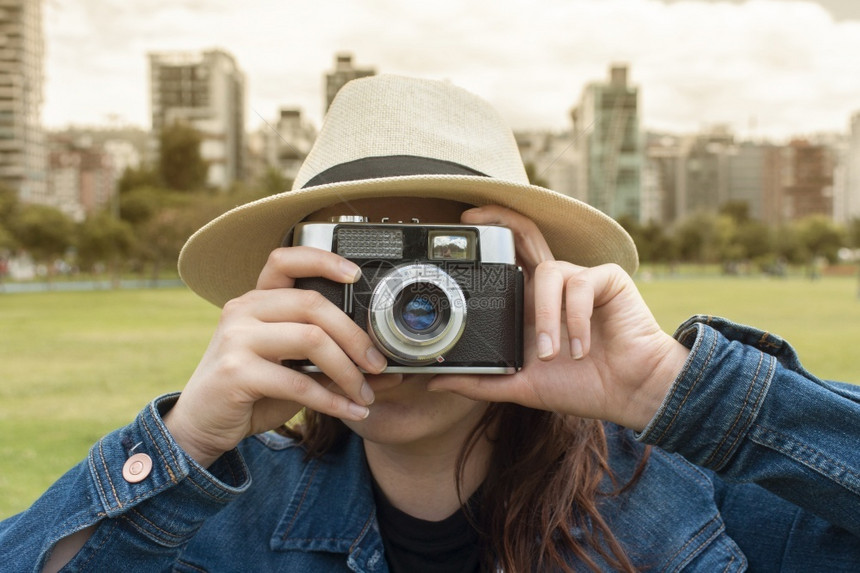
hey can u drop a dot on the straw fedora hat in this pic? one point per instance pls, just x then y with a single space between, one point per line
392 136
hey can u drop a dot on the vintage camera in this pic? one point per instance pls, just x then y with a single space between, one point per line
434 298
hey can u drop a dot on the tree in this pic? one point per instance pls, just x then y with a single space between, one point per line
162 237
657 245
739 211
181 166
9 203
8 206
750 239
273 182
103 238
137 177
694 238
652 242
7 240
141 204
722 246
787 244
43 231
754 238
631 225
820 237
534 177
853 231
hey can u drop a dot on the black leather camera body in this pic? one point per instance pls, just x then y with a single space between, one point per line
433 298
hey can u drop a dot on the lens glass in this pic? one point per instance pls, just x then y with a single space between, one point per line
420 310
419 313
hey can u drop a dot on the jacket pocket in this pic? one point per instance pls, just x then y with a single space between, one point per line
719 554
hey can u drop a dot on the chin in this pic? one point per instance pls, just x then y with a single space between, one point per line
412 415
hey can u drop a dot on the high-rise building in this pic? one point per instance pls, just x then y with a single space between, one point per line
207 91
550 160
755 178
287 142
808 179
704 184
84 165
848 206
660 175
607 131
22 148
344 71
81 176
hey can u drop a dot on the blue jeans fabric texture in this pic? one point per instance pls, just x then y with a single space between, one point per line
756 466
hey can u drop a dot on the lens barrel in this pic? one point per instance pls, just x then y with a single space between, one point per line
417 313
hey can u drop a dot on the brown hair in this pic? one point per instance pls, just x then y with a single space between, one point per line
542 485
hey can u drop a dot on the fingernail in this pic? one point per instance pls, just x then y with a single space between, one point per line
544 344
360 412
367 393
576 348
350 270
376 359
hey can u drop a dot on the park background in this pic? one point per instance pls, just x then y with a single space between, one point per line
103 325
77 365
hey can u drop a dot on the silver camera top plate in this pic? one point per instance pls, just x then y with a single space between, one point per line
496 243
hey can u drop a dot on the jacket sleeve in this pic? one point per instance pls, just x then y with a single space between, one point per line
141 526
744 407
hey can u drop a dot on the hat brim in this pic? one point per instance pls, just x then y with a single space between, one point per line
223 259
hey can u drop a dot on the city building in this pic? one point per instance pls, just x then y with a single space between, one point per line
808 179
847 190
125 144
287 142
660 174
344 71
551 159
746 176
81 176
684 175
22 145
85 164
207 91
755 178
611 157
704 183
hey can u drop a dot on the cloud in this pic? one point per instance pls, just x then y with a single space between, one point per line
786 66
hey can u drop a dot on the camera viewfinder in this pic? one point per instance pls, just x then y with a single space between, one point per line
448 246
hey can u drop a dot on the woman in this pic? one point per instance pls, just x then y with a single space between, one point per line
405 472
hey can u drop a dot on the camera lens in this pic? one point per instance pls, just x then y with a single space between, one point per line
421 308
416 313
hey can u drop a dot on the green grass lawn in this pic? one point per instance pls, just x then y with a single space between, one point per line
74 366
77 365
821 318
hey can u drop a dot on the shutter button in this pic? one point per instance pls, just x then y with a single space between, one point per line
136 468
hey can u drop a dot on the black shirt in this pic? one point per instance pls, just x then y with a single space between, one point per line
414 545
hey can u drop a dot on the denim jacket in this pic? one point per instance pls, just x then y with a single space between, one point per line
756 466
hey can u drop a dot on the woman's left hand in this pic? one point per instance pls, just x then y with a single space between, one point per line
592 347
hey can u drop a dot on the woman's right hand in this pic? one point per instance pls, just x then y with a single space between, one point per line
240 387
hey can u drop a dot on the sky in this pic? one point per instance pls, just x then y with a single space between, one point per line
765 68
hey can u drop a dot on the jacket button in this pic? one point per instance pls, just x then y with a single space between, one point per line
136 468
